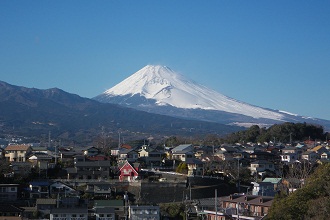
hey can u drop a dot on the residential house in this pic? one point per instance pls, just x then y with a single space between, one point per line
66 155
260 166
45 205
116 205
130 155
289 150
90 151
311 156
104 213
249 149
264 155
224 155
182 152
100 189
115 151
289 157
151 156
21 168
10 212
325 155
69 213
229 149
128 172
144 212
39 189
60 189
320 149
17 153
268 187
246 206
195 166
84 169
42 160
8 192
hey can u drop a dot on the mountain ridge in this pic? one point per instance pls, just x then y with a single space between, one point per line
34 111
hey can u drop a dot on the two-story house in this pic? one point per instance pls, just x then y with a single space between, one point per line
128 172
144 212
60 189
84 169
260 166
151 156
39 189
8 192
311 156
69 213
90 151
182 152
17 153
195 166
246 206
131 155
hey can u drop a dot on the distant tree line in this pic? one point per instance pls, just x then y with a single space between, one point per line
284 133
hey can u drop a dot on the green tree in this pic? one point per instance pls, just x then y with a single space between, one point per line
182 168
310 202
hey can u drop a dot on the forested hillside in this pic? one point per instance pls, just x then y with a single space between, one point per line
284 133
312 201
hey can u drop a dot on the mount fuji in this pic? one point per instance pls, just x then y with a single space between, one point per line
159 89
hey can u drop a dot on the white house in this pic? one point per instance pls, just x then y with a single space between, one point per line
260 166
144 212
69 213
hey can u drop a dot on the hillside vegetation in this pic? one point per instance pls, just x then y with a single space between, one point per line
279 133
310 202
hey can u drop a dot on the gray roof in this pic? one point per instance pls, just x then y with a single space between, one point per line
193 161
46 202
272 180
105 210
98 163
182 147
108 203
69 210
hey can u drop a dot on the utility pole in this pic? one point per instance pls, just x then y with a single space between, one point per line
290 138
189 191
216 204
126 205
49 139
118 140
238 181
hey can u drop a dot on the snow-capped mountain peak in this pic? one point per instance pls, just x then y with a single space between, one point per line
168 88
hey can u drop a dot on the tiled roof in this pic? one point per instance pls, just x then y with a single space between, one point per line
46 201
17 147
272 180
108 203
317 148
70 210
10 208
182 147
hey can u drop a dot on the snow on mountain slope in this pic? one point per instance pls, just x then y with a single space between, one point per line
167 87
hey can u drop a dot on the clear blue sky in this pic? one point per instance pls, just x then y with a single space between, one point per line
273 54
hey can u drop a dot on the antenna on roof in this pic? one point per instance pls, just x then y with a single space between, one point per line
49 139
